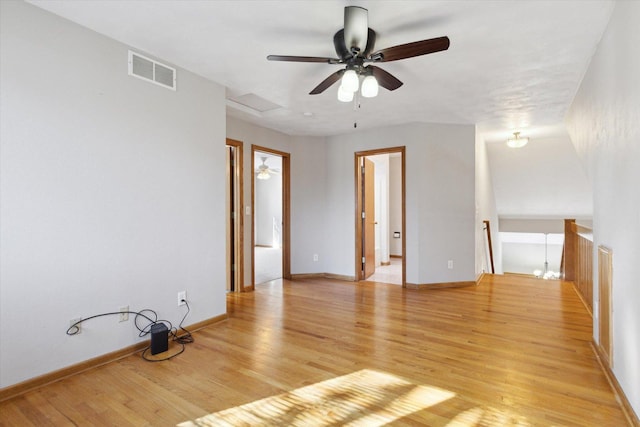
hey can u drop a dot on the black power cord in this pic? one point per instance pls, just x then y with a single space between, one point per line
152 318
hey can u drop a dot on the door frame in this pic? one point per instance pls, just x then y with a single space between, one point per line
286 211
605 303
239 217
358 208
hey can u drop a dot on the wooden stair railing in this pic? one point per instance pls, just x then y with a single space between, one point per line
577 260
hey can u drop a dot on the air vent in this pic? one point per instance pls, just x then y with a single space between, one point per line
152 71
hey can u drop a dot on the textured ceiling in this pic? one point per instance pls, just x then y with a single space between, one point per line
512 65
544 179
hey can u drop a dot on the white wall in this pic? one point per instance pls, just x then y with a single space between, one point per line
519 225
309 171
486 210
524 252
110 194
523 247
605 129
308 175
439 204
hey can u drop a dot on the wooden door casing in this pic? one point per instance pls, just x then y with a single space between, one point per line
369 230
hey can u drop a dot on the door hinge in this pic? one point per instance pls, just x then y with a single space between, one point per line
363 260
233 267
362 169
233 215
363 215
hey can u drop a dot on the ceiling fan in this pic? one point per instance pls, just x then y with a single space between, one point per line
354 46
264 172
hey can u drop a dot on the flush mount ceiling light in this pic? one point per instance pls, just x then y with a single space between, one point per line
516 141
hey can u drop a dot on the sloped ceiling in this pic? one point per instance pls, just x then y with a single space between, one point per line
544 179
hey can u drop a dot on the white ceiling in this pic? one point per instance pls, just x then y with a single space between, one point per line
544 179
512 65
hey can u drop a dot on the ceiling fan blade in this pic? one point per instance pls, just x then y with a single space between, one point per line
327 82
384 78
410 50
303 59
356 25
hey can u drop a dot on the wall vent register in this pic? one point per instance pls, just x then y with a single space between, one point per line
152 71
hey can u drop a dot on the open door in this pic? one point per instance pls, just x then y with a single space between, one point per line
368 219
234 218
365 216
278 227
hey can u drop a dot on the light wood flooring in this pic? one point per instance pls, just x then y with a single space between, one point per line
511 351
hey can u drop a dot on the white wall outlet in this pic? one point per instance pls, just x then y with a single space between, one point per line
124 314
79 326
182 297
450 264
315 257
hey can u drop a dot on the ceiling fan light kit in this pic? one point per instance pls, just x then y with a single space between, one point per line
354 46
350 81
369 87
344 95
517 141
264 171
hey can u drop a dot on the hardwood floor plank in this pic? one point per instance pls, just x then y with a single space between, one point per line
511 351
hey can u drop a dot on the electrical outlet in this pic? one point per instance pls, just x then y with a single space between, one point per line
79 326
450 264
315 257
124 314
182 296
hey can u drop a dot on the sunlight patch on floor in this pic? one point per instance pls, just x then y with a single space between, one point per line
365 397
488 417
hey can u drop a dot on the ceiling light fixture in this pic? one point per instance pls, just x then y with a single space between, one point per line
350 81
263 174
344 95
369 87
516 141
546 274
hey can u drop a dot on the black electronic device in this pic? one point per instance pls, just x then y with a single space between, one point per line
159 338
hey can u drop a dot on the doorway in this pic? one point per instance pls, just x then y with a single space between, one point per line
234 217
380 215
270 226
